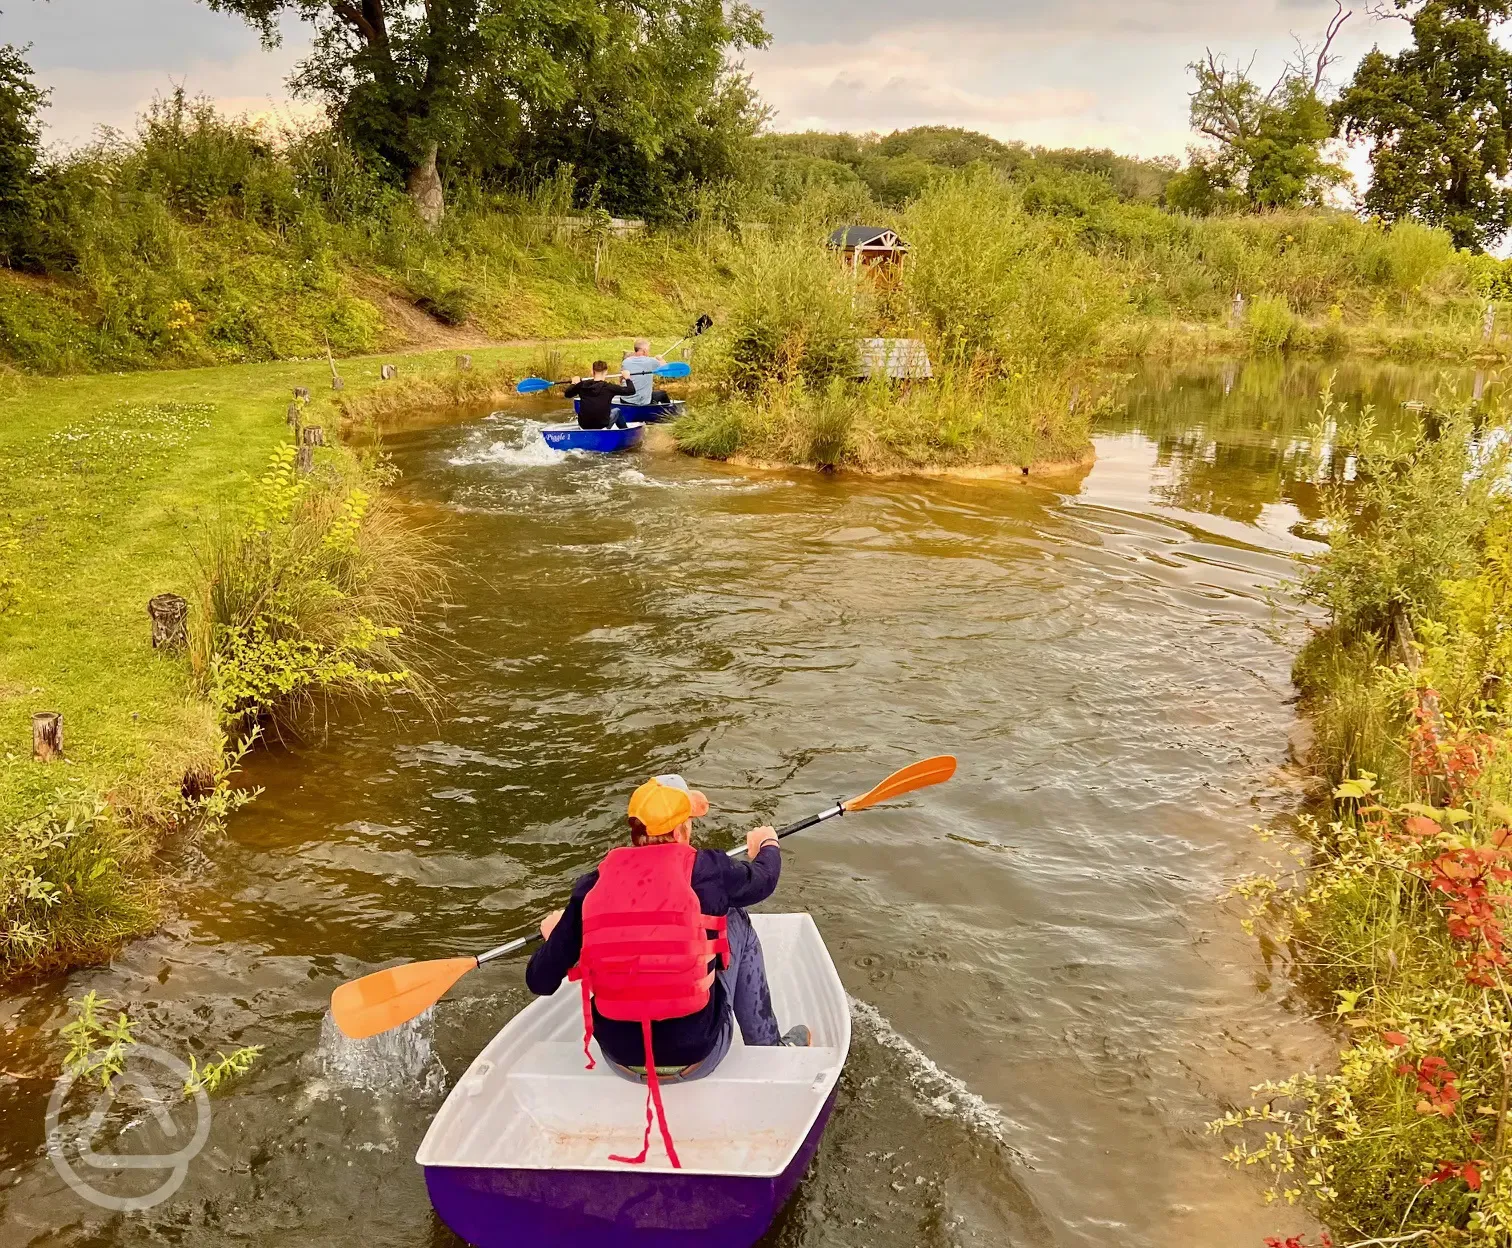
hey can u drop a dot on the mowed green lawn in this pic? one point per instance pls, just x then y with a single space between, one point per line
105 483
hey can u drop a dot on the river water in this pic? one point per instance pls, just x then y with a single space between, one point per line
1050 998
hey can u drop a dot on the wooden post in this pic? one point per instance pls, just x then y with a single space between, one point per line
301 394
305 460
337 383
389 371
314 435
169 614
1488 324
464 362
291 417
47 736
1236 318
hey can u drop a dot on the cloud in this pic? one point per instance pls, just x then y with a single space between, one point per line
105 60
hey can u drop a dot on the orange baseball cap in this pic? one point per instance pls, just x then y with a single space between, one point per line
666 802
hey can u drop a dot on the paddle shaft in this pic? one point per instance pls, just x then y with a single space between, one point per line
834 812
513 946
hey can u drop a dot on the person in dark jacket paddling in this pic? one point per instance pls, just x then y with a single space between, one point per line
691 1045
596 398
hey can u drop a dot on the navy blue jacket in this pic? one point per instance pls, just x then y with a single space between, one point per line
722 884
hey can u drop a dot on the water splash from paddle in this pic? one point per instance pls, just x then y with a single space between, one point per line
528 450
938 1091
401 1058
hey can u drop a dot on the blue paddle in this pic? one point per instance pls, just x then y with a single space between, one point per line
672 372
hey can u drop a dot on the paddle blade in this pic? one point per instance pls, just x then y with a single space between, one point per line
918 776
533 385
387 999
674 370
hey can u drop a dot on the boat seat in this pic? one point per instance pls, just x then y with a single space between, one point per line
774 1086
742 1064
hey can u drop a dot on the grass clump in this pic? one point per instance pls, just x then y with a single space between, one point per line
1400 923
73 885
313 595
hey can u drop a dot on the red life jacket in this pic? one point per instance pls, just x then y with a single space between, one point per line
646 952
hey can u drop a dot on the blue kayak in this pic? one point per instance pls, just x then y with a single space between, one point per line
646 413
604 441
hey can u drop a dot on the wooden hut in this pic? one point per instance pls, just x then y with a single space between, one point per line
869 246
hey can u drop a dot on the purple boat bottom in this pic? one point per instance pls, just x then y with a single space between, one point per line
615 1208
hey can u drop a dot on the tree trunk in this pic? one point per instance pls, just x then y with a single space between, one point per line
169 614
425 189
47 736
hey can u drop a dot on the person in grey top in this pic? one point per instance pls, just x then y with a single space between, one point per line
640 368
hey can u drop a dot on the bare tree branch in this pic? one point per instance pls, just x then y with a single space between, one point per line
1325 56
1381 13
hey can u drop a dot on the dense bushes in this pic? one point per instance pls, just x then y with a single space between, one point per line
1400 923
202 239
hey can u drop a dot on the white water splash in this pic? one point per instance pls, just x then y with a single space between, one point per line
529 450
401 1060
938 1091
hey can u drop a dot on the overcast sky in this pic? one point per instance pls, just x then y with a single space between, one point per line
1064 72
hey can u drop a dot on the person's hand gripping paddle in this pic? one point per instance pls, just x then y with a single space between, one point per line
387 999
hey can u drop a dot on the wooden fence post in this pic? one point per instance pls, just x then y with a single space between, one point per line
305 460
47 736
169 614
389 371
337 383
464 362
1488 324
1236 317
302 394
291 417
314 435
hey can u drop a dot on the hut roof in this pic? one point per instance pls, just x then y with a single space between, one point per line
851 237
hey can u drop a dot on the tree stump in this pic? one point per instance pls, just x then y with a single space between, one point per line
169 614
389 371
305 460
302 394
314 435
291 417
47 736
464 363
337 383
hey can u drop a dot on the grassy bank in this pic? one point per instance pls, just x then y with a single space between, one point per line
1397 929
204 240
122 487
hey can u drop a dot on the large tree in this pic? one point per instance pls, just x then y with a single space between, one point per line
1266 148
515 84
1438 117
21 103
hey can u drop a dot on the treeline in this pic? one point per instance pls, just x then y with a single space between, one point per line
900 166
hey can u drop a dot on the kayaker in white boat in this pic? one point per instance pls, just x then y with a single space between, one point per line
640 367
596 397
659 890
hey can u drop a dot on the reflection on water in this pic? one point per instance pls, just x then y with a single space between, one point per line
1050 1001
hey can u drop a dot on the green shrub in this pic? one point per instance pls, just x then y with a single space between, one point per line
794 316
314 595
1269 325
994 286
71 886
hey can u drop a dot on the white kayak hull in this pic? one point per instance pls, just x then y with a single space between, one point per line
519 1154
